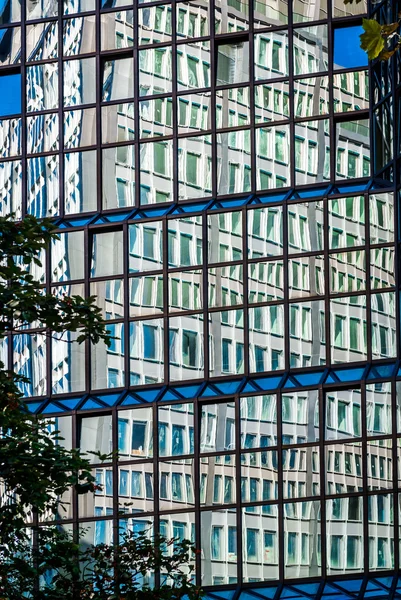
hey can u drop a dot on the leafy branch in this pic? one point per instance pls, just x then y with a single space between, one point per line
378 40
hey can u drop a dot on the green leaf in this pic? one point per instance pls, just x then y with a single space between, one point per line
372 40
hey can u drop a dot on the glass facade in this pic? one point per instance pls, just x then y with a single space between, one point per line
224 177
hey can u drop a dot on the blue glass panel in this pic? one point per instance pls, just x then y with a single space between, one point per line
225 594
381 371
189 208
91 404
377 594
290 594
311 193
230 203
331 592
71 403
309 378
358 187
386 582
269 383
190 391
290 383
33 407
349 374
250 386
399 584
148 395
353 585
170 394
130 400
10 94
267 592
308 588
231 387
347 48
119 217
270 198
209 392
51 408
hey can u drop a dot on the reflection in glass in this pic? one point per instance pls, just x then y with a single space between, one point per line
217 480
345 535
176 429
381 218
225 237
185 291
347 272
224 288
258 421
271 55
118 82
219 546
272 102
259 478
266 338
353 149
348 329
344 468
382 272
42 41
300 417
260 550
310 50
109 297
301 472
381 532
194 167
185 242
343 414
346 222
42 133
351 91
234 162
79 81
383 325
43 186
146 351
231 17
107 254
42 87
80 128
117 29
10 187
145 246
155 73
118 122
193 66
135 433
232 63
135 488
379 462
10 137
155 117
306 276
67 256
186 347
145 295
96 532
312 152
79 35
265 282
217 427
80 182
176 484
90 505
156 160
226 343
108 363
265 232
95 436
311 99
68 363
273 157
29 352
118 177
378 409
193 112
305 227
302 539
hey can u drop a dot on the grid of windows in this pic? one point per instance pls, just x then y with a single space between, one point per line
200 159
187 100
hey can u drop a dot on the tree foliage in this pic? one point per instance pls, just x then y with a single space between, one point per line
380 41
44 562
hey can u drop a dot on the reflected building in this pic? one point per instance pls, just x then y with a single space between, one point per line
224 177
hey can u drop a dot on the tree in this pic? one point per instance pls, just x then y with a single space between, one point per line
380 42
36 470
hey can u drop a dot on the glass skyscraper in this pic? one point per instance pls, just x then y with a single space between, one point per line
225 175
